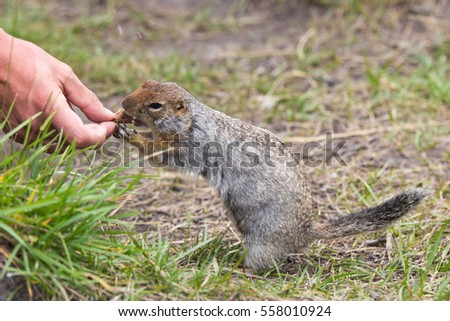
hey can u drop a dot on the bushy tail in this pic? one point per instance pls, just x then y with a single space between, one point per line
374 218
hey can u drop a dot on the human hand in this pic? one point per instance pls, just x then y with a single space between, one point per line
34 81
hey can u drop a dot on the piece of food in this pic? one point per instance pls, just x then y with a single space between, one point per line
122 117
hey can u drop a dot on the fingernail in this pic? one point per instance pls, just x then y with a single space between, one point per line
109 111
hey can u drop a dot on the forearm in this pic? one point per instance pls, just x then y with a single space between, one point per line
5 40
6 97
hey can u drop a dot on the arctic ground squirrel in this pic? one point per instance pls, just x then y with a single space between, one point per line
260 180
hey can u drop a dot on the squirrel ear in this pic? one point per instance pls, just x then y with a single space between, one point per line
181 105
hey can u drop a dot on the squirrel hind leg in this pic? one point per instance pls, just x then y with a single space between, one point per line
263 256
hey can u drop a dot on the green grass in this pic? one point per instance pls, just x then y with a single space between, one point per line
57 220
67 223
64 236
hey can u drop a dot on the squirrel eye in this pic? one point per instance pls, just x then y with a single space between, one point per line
154 106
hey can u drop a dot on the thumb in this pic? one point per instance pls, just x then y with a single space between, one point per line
66 120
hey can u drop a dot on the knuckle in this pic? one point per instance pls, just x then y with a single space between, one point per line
69 140
91 139
95 101
67 70
45 98
92 97
81 140
45 102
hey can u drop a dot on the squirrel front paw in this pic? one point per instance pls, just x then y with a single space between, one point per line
124 132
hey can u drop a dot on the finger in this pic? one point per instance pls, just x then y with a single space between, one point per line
85 99
54 146
109 127
66 120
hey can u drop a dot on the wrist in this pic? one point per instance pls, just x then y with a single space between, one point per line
5 52
5 41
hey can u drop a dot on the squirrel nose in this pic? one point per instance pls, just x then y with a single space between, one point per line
127 103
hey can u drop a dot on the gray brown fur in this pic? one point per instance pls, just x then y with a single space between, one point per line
270 205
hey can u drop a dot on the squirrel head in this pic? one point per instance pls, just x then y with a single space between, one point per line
161 106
